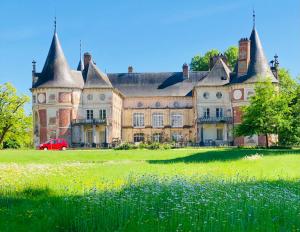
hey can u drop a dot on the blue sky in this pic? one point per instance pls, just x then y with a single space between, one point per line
151 35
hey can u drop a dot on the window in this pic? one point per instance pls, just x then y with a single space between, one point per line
52 98
102 97
157 137
176 137
140 104
206 95
34 99
219 134
157 120
90 97
89 114
102 114
206 113
139 137
138 120
157 104
176 104
176 120
219 95
219 112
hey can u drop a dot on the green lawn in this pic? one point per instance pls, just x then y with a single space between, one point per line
142 190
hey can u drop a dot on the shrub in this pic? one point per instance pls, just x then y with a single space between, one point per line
154 146
126 146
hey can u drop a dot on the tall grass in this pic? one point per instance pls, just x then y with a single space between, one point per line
186 194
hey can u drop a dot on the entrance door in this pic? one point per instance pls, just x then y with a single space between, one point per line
102 136
89 136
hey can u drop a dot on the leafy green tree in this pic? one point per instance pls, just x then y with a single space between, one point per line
201 63
232 56
266 113
289 92
14 123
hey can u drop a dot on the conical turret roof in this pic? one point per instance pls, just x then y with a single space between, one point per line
80 66
56 71
258 66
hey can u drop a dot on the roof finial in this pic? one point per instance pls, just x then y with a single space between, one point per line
55 24
80 49
253 15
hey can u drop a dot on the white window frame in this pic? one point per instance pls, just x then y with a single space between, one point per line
140 136
157 137
89 114
138 120
177 120
177 137
157 120
102 114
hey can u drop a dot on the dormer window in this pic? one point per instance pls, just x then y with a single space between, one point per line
206 95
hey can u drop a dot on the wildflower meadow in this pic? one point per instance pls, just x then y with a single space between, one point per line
142 190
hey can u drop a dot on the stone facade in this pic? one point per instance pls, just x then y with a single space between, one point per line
90 108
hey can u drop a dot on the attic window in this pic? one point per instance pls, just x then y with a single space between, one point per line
219 95
102 97
176 104
157 104
206 95
90 97
140 104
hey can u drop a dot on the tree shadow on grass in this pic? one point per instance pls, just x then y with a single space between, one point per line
224 155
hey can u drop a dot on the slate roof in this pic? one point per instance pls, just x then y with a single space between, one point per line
94 78
56 71
219 75
80 66
155 84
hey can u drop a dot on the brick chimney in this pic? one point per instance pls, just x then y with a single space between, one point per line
87 57
244 56
185 71
130 69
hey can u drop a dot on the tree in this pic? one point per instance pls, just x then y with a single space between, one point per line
232 56
201 63
13 120
266 113
289 92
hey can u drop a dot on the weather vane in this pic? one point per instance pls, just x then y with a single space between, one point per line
253 15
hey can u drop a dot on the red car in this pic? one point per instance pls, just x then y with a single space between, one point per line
54 144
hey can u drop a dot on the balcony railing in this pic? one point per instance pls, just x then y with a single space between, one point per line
215 120
94 121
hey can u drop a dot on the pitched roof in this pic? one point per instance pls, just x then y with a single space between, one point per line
56 71
94 78
155 84
219 75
